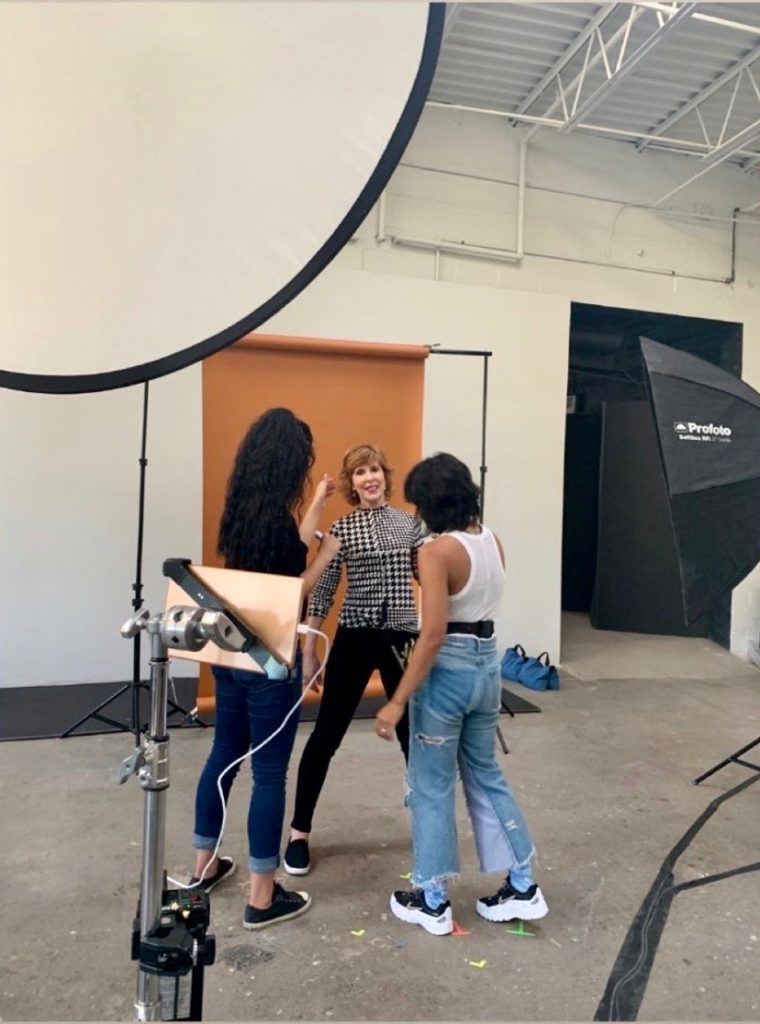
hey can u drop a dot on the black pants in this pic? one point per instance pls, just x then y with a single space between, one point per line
355 654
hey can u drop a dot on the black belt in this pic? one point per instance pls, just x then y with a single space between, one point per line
483 629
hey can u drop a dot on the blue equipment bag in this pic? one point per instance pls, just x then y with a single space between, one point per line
535 673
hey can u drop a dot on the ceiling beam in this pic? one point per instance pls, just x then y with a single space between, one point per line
596 22
591 62
718 156
685 147
705 94
582 111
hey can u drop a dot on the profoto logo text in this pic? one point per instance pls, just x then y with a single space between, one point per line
689 431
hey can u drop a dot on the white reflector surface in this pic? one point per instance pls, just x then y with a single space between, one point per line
171 174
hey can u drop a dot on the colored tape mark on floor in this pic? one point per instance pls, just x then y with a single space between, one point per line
407 876
458 930
521 930
478 963
359 933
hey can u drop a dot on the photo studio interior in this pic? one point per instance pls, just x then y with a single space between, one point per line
536 188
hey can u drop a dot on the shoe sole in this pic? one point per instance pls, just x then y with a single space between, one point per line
443 925
515 910
296 871
249 927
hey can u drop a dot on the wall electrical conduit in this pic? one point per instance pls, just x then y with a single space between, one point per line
466 248
515 255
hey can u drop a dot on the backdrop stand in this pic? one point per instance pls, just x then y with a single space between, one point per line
135 686
485 355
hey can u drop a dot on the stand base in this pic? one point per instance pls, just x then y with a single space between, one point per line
734 758
189 717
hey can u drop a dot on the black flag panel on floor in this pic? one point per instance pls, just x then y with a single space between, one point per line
708 430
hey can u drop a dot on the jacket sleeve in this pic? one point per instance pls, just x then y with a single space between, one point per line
417 542
323 595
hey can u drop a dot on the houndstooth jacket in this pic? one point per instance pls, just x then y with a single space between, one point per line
379 548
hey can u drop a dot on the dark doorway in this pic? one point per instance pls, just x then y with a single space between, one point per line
616 532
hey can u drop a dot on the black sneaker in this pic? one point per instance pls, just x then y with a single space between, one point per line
508 904
226 868
296 860
412 908
284 905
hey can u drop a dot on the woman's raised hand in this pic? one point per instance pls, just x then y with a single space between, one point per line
324 489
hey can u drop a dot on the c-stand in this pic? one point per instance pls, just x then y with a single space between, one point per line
169 938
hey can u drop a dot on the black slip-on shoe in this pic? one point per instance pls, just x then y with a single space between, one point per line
226 868
285 905
296 860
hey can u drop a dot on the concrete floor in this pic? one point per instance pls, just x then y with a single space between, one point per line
604 778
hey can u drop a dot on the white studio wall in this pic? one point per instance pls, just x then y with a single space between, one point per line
68 523
69 468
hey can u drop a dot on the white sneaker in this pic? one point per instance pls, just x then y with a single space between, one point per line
509 905
412 908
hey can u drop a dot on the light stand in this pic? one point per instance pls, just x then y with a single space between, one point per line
734 758
136 686
485 355
169 934
169 938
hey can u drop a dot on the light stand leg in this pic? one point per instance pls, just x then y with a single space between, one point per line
734 758
154 778
483 425
137 586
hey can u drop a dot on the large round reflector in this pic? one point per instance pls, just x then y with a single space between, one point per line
172 174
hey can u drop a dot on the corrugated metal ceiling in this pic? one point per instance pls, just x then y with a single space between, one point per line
677 76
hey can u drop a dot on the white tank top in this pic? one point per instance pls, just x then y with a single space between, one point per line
480 597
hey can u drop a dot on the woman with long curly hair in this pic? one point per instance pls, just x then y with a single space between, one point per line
258 533
453 682
377 624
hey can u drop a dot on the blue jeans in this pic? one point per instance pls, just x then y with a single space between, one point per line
249 707
453 722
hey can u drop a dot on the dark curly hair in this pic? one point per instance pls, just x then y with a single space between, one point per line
265 490
443 490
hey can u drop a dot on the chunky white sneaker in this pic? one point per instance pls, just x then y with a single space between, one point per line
509 905
412 908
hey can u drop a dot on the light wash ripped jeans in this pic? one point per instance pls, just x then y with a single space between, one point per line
453 722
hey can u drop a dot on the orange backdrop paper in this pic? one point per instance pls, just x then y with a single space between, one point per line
348 392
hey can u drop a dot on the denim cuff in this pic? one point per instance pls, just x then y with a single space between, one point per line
204 842
263 865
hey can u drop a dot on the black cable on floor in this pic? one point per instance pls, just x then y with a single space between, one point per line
627 983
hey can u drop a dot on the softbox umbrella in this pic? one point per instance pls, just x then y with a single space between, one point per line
708 429
172 174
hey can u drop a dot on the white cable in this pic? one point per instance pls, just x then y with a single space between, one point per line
303 630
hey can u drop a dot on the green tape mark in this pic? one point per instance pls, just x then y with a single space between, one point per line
520 930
